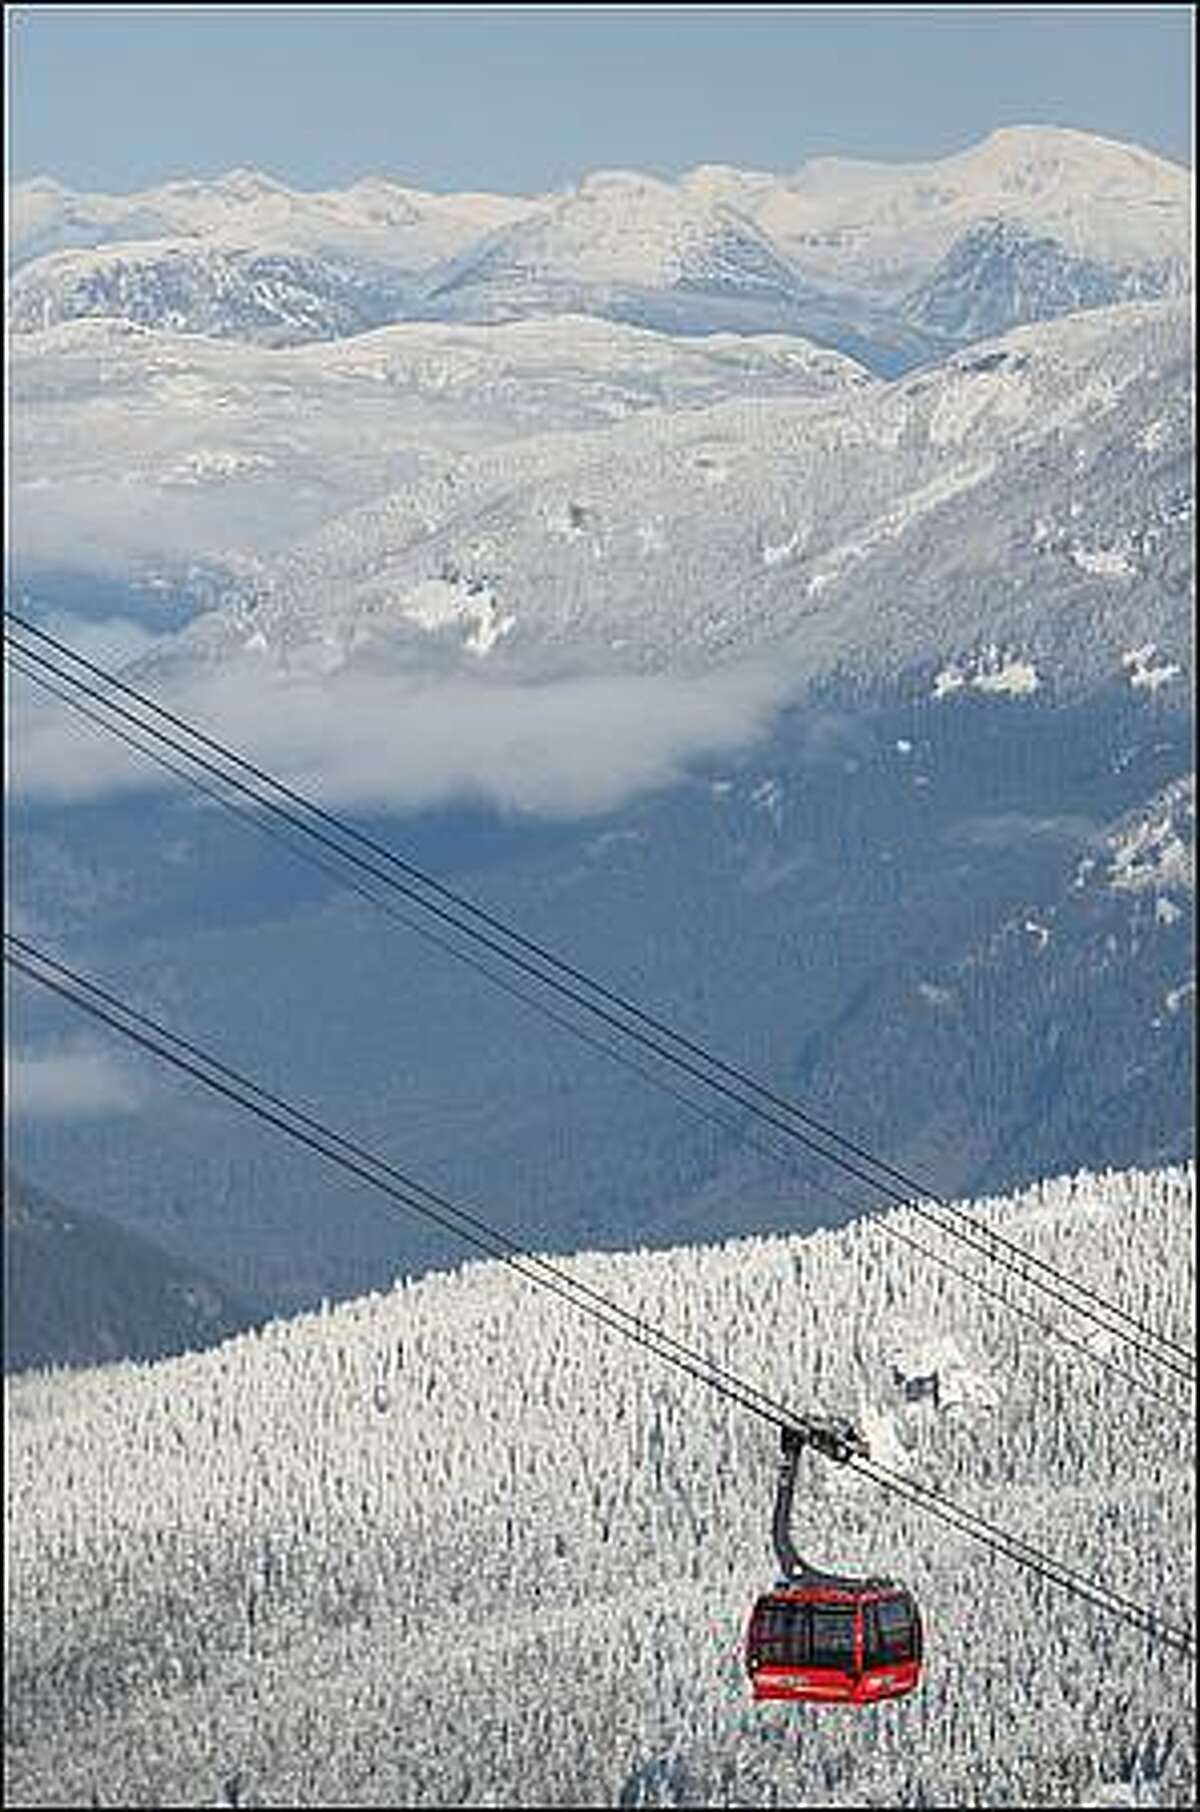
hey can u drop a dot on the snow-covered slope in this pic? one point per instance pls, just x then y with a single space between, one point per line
133 448
1000 274
282 298
1027 505
455 1545
79 1289
621 227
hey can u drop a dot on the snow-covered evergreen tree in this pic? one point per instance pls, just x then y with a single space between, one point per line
457 1544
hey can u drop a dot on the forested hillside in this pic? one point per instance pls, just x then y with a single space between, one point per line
457 1545
80 1290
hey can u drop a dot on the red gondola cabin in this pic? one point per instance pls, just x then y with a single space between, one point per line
822 1638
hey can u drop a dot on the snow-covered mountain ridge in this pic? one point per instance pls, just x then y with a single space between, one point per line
840 217
619 227
888 224
374 220
463 1512
842 252
999 501
625 247
151 449
224 292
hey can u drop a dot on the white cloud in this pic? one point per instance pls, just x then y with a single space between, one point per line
70 1082
569 747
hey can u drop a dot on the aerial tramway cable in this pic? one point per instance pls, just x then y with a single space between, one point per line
223 1080
557 964
788 1159
987 1241
908 1185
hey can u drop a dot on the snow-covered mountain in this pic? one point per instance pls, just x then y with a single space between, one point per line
957 924
619 227
839 219
878 530
456 1545
629 247
375 221
621 247
139 451
280 298
79 1289
887 226
840 252
1000 274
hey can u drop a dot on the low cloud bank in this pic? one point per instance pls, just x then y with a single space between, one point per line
571 747
71 1082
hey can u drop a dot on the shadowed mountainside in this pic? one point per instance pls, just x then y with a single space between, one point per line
80 1290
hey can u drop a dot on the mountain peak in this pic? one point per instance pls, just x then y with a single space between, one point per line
622 227
1036 161
620 182
248 185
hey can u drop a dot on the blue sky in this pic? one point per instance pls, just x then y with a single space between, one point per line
524 99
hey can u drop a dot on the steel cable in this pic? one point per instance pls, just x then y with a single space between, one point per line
787 1159
979 1235
228 1083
